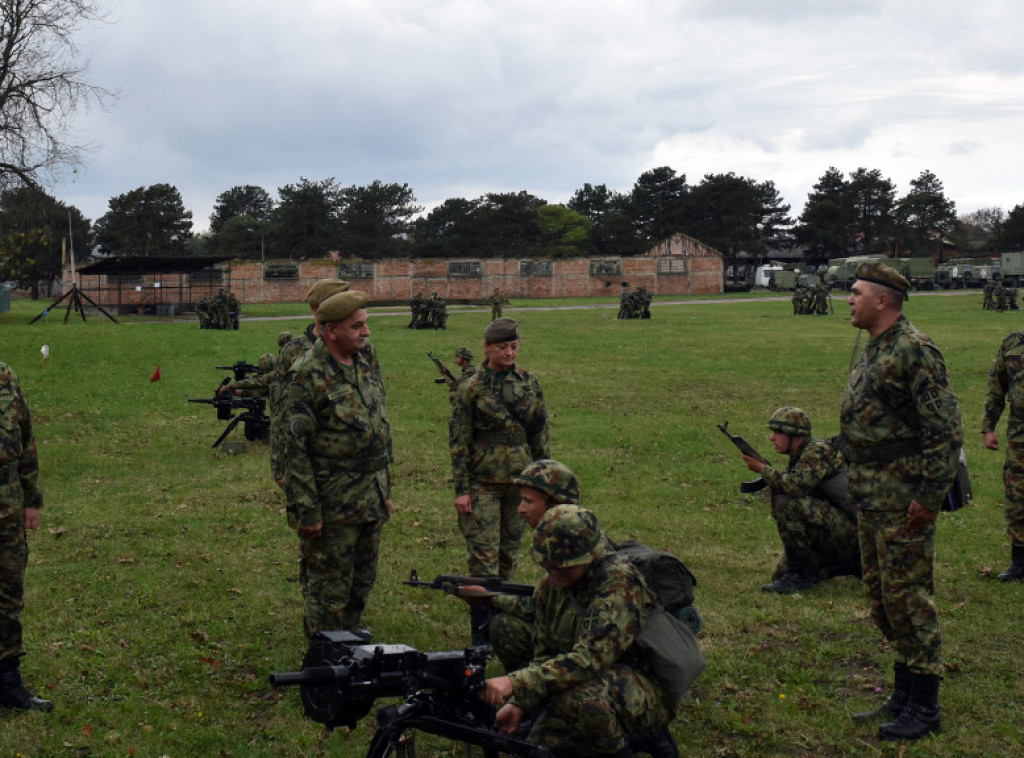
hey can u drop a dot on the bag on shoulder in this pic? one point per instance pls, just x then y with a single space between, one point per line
672 653
665 574
960 493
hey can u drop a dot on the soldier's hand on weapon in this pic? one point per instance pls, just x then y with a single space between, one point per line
990 440
474 594
509 717
918 517
312 532
225 389
497 690
753 463
463 504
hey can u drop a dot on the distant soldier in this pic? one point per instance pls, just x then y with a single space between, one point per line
438 312
798 299
464 360
234 309
21 497
416 306
1006 383
810 504
988 303
497 300
499 425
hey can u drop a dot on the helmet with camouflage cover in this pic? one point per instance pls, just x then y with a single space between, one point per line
267 361
791 421
552 478
283 338
464 352
567 536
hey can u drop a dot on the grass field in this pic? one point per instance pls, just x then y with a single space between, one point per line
162 582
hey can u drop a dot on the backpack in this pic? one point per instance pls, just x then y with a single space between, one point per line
668 578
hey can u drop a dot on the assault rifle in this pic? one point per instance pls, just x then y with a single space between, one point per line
342 677
452 584
444 370
256 423
747 449
241 369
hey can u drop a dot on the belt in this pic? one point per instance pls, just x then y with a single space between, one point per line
357 465
884 453
517 437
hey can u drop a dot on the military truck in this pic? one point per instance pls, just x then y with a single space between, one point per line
1011 268
920 272
840 270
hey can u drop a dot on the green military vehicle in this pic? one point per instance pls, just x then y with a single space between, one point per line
1011 268
840 270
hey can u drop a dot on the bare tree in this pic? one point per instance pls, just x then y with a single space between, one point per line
42 86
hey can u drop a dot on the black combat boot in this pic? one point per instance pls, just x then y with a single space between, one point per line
921 716
1016 571
799 574
657 743
894 706
13 693
849 567
480 622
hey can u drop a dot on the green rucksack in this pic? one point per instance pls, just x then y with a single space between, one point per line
668 578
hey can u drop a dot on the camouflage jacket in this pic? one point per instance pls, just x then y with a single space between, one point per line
499 425
1006 384
454 384
611 602
19 464
814 462
898 392
336 440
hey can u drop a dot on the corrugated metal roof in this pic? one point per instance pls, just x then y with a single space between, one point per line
138 264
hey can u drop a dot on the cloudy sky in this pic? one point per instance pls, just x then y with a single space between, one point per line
461 97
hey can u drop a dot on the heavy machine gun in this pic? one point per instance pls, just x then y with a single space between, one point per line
241 369
342 676
254 420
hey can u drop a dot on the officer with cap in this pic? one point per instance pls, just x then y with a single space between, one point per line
810 505
336 464
901 435
587 680
499 425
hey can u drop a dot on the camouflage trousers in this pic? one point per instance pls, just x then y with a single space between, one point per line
1013 481
898 574
593 719
511 636
336 572
493 531
810 524
13 559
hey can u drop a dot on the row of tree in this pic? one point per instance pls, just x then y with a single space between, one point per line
844 215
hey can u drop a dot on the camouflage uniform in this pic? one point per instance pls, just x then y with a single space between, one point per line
499 424
901 423
1006 384
19 489
593 688
497 300
806 519
337 453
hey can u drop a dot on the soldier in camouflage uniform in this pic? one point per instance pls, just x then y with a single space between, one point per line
259 383
497 300
902 434
1006 383
591 686
21 497
464 360
336 464
810 504
499 425
542 485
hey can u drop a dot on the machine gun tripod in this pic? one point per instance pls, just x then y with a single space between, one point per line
341 678
254 420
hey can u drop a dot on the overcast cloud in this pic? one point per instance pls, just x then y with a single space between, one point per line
462 97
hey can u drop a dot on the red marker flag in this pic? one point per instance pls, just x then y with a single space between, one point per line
156 375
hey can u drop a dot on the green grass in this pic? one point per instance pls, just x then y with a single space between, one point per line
162 583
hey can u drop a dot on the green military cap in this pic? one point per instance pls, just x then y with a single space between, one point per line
877 272
552 478
566 536
340 306
284 338
791 421
323 289
464 352
501 330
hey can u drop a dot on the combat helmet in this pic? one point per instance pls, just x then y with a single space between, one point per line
791 421
267 361
283 338
464 352
552 478
566 536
